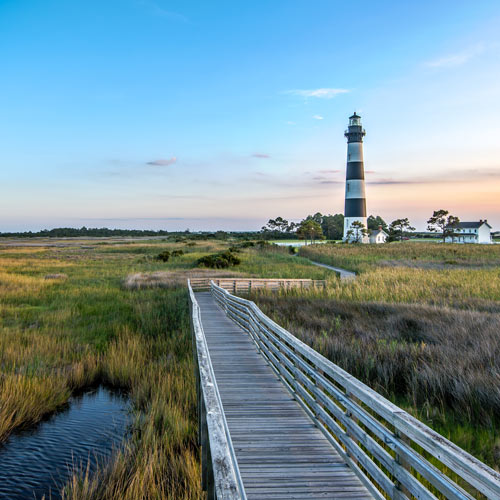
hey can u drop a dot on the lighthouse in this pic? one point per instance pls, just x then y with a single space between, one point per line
355 199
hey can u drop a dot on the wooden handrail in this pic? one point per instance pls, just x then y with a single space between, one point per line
249 284
220 473
389 449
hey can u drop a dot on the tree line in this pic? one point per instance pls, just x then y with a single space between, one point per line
313 227
331 227
68 232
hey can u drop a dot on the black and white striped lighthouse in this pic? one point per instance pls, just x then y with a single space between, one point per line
355 199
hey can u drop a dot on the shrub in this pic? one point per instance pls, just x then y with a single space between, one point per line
163 256
246 244
219 260
177 253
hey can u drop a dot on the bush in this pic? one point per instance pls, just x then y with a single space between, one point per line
163 256
246 244
219 260
177 253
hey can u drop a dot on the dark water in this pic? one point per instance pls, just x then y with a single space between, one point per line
38 461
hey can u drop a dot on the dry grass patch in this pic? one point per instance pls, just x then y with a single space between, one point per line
166 279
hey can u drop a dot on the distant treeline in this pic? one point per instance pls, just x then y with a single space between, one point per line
62 232
71 232
331 225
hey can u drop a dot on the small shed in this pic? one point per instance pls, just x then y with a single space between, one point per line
378 236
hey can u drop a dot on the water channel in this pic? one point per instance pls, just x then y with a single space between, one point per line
39 461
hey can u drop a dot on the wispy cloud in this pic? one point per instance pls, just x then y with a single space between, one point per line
163 162
458 58
323 93
318 117
260 155
452 177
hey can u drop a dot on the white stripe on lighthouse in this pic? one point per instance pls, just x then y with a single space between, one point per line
355 188
354 151
348 222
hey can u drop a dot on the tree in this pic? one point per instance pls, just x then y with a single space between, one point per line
277 227
357 231
443 222
399 228
310 229
375 221
333 226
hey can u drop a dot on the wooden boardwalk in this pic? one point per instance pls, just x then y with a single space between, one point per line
281 454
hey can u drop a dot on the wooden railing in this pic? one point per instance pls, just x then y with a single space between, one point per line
394 454
243 285
220 474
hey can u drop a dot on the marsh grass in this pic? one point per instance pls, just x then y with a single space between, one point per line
121 318
96 326
59 336
362 258
425 335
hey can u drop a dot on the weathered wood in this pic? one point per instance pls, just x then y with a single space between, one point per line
236 285
280 452
220 474
338 401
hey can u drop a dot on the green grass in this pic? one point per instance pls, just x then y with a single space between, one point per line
60 336
419 324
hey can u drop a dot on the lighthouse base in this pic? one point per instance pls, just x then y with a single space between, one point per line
351 237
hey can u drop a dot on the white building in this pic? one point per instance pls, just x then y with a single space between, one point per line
472 232
378 236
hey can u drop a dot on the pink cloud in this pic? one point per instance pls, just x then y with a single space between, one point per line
163 162
260 155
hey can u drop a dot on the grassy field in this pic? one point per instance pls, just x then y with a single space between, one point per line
70 319
420 324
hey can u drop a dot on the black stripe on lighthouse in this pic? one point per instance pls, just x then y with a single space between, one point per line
355 170
355 207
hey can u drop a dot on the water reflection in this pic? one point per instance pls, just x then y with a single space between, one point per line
38 461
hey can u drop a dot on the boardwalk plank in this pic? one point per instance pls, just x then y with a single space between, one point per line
280 453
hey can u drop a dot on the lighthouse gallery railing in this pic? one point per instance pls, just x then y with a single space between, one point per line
394 454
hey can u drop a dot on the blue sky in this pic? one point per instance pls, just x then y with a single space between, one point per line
207 115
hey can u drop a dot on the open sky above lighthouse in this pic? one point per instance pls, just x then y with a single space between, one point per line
222 114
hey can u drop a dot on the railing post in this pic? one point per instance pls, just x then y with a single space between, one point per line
205 452
401 461
349 415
